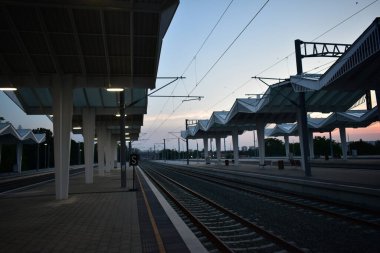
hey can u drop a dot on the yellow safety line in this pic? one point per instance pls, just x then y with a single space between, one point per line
157 235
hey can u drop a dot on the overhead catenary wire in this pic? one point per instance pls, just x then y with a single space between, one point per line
319 36
271 66
207 37
194 58
229 46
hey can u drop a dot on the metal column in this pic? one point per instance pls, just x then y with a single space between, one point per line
123 170
302 115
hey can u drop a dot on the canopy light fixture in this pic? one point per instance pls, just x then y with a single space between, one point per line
8 88
118 115
115 89
77 128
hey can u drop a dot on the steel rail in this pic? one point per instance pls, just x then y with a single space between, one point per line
258 229
224 182
220 245
29 181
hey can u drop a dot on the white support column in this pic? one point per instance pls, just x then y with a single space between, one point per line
205 149
62 121
100 130
261 142
286 139
235 143
343 142
218 153
311 144
19 157
88 117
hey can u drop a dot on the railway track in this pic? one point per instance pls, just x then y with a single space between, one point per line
351 214
321 226
226 230
30 180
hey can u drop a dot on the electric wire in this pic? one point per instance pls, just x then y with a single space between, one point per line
266 69
208 36
228 48
319 36
194 58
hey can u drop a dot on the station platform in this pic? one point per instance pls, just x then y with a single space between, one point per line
98 217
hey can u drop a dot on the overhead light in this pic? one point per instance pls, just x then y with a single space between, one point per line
126 126
115 89
118 115
126 133
77 128
8 88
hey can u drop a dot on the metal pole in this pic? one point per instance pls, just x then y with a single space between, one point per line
187 145
164 153
123 168
78 152
302 113
133 179
48 155
179 150
331 146
45 155
38 156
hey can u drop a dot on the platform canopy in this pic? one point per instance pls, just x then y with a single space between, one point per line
357 69
277 105
348 119
93 45
10 135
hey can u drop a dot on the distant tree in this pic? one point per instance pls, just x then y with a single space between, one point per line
274 147
377 147
363 148
322 147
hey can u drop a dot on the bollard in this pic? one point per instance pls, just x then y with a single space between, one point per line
280 164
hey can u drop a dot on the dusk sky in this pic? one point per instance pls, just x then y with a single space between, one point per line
222 68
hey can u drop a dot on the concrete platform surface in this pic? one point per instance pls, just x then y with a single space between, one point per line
101 217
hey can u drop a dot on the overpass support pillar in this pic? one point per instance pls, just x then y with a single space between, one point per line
62 122
343 142
218 147
205 150
311 144
19 157
261 142
88 117
100 130
286 139
235 143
